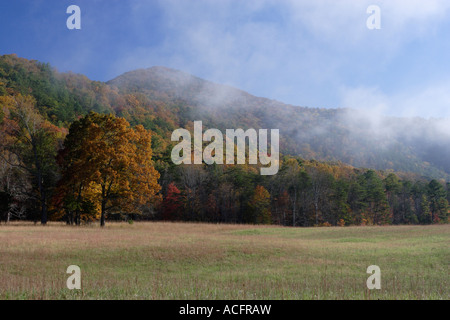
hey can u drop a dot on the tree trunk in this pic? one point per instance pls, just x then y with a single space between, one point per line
316 211
294 207
69 218
40 184
102 218
44 208
77 211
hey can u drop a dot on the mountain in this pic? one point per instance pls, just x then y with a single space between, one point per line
164 99
350 136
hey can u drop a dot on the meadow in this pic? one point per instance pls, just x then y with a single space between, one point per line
160 260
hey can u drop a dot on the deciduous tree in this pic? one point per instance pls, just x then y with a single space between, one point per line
29 143
108 163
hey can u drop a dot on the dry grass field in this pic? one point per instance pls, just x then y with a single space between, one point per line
213 261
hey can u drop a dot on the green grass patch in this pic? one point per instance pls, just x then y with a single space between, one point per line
210 261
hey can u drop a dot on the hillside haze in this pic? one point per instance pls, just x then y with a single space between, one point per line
163 99
361 139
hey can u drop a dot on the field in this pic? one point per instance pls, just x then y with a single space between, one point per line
214 261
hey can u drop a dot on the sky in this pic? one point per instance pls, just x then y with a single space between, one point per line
315 53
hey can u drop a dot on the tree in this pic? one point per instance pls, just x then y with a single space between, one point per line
281 207
30 144
5 201
393 187
356 199
421 202
14 187
341 208
193 178
260 206
295 181
321 182
448 191
406 212
243 181
375 198
108 163
425 214
437 196
172 205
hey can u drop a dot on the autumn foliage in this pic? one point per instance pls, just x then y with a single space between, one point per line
260 206
172 206
79 150
107 164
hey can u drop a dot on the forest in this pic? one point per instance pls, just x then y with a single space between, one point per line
84 151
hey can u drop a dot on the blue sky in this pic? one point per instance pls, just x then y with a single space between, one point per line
316 53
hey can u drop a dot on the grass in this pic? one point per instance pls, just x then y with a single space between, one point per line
214 261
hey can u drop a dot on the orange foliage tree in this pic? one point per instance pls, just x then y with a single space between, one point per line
108 164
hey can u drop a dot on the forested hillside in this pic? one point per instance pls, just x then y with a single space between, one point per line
400 144
163 99
47 172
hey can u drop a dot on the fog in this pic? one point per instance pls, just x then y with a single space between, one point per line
309 53
383 94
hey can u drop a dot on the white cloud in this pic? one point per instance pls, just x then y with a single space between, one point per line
345 20
303 55
433 100
366 98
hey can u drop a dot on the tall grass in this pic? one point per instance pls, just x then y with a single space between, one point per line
214 261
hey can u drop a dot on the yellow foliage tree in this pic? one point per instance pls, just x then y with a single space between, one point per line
108 164
260 205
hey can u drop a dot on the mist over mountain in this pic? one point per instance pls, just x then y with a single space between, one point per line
355 137
164 99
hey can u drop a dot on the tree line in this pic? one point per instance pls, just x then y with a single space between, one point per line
103 168
100 166
303 193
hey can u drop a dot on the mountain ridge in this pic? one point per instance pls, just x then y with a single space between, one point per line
347 123
163 99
